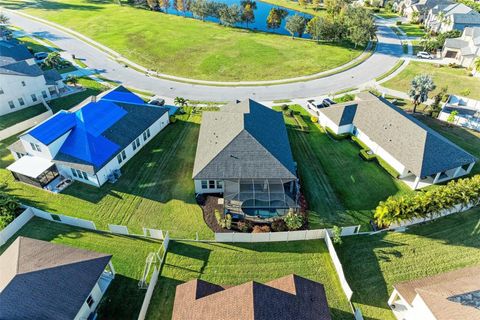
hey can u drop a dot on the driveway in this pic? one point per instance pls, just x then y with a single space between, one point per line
388 51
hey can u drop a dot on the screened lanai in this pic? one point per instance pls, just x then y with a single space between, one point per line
260 197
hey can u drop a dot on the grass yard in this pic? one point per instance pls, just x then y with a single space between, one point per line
227 264
456 79
156 188
12 118
92 87
340 187
123 299
412 29
372 264
187 47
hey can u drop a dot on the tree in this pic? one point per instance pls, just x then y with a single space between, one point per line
72 80
248 16
421 85
53 60
4 19
181 102
275 18
164 4
360 25
451 117
230 15
296 24
199 9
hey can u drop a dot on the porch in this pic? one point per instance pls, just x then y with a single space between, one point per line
260 199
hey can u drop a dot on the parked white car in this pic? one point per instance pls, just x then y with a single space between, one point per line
424 55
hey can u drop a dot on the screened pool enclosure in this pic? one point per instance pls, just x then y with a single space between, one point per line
260 198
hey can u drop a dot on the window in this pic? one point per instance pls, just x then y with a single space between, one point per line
219 184
211 184
204 184
34 98
90 301
1 91
44 94
23 83
20 100
119 158
74 172
35 147
10 103
124 155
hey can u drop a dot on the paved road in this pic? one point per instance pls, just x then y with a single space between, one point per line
388 51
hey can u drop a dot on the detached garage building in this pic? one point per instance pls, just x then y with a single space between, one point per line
420 155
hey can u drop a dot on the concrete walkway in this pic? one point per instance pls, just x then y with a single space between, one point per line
388 51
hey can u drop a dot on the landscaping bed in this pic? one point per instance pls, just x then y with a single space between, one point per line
234 264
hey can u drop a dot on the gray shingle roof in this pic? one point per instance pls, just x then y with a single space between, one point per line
420 149
42 280
243 140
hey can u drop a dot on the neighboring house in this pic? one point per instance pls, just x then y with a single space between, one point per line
443 18
287 298
446 296
420 155
465 49
243 152
22 82
42 280
468 112
89 145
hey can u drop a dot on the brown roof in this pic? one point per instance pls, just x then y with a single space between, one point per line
446 294
291 297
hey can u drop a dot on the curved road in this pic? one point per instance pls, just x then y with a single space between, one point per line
388 51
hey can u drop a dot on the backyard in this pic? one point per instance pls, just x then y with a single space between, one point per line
373 263
155 190
340 187
187 47
123 299
227 264
457 79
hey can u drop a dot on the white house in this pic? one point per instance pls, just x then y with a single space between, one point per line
467 112
463 50
22 82
457 16
42 280
446 296
420 155
89 145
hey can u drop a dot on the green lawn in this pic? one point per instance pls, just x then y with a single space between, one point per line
156 188
92 87
339 186
123 299
10 119
412 30
456 79
187 47
372 264
227 264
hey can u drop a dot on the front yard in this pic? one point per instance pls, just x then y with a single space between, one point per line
340 187
228 264
457 79
123 299
372 264
156 188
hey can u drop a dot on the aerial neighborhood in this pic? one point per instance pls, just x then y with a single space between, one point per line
227 159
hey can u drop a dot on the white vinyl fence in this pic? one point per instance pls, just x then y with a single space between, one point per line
24 125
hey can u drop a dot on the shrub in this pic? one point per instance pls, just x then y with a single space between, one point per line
428 203
173 119
261 229
279 225
314 119
336 136
293 221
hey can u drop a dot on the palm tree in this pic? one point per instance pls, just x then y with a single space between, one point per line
421 85
181 102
